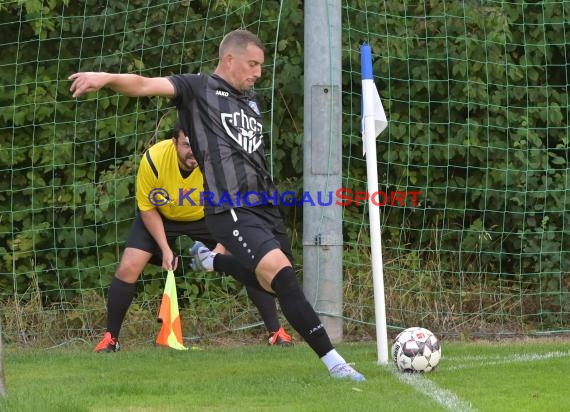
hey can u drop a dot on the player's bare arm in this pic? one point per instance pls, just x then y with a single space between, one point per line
153 223
124 83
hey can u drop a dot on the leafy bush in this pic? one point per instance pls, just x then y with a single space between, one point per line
475 94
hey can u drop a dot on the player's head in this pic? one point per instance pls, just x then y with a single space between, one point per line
186 159
241 57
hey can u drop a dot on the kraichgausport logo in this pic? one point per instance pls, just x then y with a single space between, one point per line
341 197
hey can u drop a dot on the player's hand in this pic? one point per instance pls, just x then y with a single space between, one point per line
85 82
221 249
169 261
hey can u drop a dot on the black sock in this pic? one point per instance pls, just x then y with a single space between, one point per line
299 311
229 265
119 299
265 304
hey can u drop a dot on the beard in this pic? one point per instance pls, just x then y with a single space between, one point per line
188 163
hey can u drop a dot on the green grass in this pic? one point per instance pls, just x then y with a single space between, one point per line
523 376
527 376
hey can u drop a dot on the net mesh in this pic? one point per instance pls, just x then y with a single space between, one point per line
477 102
478 123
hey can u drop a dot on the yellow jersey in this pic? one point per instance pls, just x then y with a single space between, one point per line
160 185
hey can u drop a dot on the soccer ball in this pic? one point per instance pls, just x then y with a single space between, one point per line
416 350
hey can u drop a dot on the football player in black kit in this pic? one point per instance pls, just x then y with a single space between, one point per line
219 111
169 165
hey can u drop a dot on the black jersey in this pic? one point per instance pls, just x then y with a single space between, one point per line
226 136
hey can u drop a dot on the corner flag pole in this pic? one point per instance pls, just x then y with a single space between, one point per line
373 123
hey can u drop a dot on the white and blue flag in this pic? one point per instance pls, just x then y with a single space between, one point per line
371 103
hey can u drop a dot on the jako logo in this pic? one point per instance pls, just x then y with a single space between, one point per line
222 93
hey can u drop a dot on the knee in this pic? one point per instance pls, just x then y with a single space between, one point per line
270 265
127 272
285 281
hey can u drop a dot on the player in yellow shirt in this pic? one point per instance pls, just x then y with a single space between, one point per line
168 189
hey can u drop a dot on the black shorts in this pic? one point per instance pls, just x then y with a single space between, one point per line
140 238
250 233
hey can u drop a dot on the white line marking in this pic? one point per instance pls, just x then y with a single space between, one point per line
476 361
445 398
450 400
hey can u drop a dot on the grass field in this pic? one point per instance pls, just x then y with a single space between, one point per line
508 376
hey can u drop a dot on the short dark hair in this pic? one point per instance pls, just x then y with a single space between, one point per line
239 39
177 128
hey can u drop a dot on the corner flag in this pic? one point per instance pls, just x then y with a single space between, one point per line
373 123
171 331
371 103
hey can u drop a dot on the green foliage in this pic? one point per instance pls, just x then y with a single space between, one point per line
68 200
475 93
478 114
